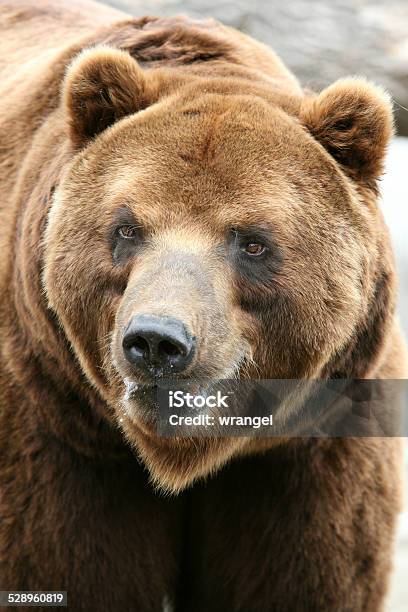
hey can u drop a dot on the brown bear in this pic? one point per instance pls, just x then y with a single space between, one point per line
173 203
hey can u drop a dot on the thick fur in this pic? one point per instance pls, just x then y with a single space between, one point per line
190 130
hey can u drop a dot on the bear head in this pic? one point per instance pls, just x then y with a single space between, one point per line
215 227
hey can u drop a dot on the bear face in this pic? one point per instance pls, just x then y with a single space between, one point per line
212 228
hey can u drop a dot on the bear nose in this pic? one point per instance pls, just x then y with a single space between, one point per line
157 345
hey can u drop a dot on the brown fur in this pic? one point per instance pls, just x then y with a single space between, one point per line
191 130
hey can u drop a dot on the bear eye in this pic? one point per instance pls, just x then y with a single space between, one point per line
128 231
254 249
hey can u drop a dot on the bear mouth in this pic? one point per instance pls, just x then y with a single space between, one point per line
147 403
148 392
140 400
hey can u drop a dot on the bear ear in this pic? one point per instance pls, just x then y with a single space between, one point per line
353 120
101 85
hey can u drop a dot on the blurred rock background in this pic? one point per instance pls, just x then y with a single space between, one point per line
321 41
395 208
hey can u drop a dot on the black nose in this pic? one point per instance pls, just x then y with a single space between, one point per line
156 345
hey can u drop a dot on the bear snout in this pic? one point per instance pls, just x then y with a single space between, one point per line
158 346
